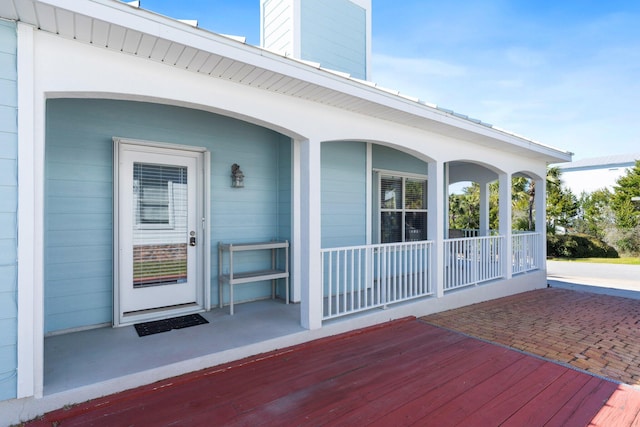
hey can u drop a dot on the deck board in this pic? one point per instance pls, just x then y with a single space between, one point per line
405 373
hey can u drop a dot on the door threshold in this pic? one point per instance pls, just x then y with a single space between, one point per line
159 313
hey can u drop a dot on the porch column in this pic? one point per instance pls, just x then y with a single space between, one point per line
436 221
484 210
504 180
30 293
310 228
541 219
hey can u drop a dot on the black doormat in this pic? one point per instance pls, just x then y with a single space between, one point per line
157 326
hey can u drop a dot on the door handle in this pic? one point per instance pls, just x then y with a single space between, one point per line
192 239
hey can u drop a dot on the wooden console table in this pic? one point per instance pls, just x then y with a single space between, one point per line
234 278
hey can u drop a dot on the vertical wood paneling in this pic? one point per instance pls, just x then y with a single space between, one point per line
78 193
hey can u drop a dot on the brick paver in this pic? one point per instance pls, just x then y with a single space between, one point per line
596 333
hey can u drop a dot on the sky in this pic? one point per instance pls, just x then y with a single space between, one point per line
565 73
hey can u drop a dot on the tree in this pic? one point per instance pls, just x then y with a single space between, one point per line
595 214
562 205
464 211
626 210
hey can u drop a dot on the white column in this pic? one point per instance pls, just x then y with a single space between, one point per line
30 166
484 209
505 222
541 219
296 230
310 235
436 222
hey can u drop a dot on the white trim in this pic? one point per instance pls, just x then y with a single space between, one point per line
206 228
296 239
310 234
437 198
27 335
505 207
369 195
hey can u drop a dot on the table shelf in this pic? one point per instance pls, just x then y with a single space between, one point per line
234 278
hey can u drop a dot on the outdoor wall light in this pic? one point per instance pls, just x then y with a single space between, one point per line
237 177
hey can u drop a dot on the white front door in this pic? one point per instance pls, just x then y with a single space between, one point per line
160 230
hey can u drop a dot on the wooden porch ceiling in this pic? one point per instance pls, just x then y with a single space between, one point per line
402 373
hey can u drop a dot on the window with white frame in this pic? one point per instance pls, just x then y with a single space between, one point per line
403 208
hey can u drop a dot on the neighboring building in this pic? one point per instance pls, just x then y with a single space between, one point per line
132 144
596 173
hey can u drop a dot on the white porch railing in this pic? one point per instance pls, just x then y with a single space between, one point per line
360 278
526 252
456 233
469 261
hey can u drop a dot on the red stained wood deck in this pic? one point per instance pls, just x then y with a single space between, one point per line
402 373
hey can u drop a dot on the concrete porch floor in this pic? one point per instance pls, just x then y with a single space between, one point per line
82 358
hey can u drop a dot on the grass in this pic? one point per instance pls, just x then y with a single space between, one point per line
622 260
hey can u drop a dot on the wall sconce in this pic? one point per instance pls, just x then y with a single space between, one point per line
237 177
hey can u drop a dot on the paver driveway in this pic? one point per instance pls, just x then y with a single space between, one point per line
593 332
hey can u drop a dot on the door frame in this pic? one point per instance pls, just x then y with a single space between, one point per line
203 254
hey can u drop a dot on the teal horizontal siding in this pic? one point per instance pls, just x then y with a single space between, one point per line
8 250
8 210
394 160
79 195
8 199
9 172
83 270
9 275
333 33
7 65
343 197
9 144
8 117
9 221
8 93
8 40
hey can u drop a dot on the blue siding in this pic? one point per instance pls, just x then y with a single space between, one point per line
78 191
8 210
334 34
344 200
394 160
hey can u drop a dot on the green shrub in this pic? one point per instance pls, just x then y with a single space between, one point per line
578 246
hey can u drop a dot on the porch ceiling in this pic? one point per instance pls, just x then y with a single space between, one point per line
120 27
